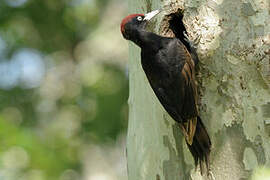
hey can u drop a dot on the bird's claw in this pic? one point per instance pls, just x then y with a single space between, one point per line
186 37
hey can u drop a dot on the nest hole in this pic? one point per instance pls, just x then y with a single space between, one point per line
172 26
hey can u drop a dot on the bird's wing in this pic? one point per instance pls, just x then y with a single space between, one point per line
172 77
190 90
179 96
189 111
183 88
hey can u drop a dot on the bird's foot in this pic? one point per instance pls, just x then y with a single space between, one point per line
193 43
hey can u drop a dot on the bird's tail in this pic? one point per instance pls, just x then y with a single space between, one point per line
200 145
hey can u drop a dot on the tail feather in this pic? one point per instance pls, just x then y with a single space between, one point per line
201 146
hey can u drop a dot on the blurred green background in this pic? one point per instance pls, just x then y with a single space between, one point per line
63 90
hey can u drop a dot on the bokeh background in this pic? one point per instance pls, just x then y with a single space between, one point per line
63 90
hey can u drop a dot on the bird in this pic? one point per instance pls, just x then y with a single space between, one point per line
170 69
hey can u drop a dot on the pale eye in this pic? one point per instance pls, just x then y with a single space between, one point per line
139 18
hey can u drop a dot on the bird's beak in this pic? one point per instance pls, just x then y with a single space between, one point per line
150 15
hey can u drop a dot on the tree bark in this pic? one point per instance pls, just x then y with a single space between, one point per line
234 84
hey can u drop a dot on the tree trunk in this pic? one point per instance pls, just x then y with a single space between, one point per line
234 84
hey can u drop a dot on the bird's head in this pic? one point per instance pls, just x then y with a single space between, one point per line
135 21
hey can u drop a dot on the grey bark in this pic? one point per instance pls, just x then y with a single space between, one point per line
234 84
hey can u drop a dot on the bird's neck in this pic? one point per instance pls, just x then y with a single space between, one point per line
146 39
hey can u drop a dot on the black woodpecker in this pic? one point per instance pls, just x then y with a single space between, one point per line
170 70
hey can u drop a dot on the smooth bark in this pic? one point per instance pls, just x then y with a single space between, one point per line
234 84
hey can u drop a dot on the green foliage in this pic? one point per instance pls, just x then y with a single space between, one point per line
41 156
44 128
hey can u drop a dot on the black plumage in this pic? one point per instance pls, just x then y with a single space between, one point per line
170 70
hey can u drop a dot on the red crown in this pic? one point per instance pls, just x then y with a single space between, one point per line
127 19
